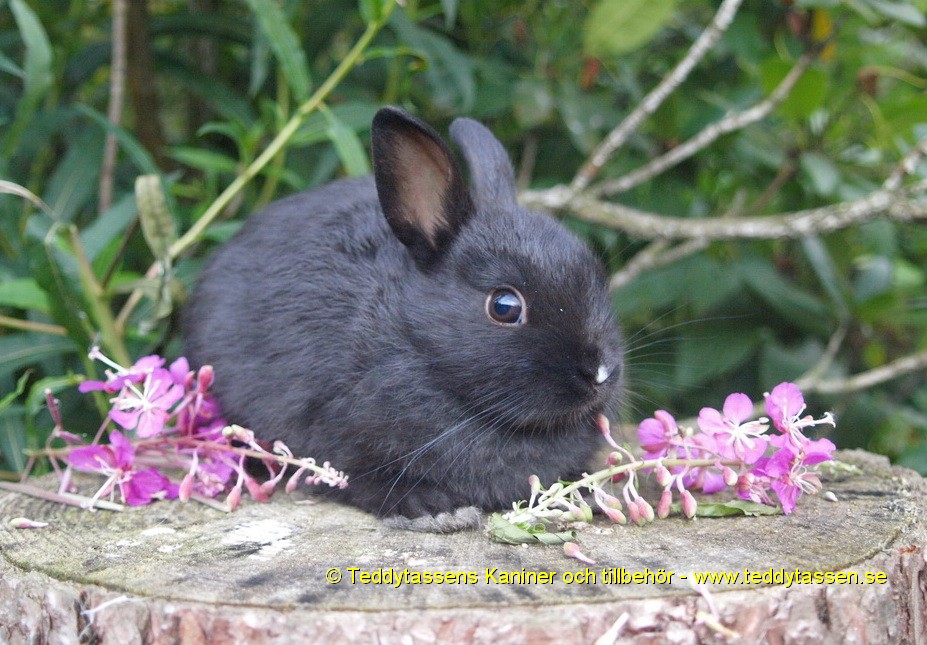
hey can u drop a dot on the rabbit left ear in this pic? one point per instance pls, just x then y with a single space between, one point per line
419 184
491 174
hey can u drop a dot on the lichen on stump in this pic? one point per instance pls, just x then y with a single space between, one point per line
183 571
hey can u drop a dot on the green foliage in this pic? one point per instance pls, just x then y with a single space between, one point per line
248 94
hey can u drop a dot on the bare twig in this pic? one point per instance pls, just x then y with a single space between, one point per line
863 380
906 166
899 206
731 122
29 325
657 254
617 137
117 81
62 498
827 358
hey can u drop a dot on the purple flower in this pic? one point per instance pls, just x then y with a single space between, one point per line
736 439
146 411
784 405
116 461
706 478
788 477
658 434
122 377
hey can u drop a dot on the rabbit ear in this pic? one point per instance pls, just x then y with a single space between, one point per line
419 185
491 173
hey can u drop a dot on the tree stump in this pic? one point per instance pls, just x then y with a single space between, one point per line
175 572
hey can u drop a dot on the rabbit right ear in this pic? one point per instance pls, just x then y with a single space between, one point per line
419 185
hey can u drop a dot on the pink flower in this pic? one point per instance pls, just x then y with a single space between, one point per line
788 477
784 406
658 434
115 460
146 411
736 439
122 377
706 478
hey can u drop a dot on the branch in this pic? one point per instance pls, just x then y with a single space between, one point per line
657 254
731 122
117 83
655 98
900 367
651 226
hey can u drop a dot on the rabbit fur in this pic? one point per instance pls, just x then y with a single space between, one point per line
354 323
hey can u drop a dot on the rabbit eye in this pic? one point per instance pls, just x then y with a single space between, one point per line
505 306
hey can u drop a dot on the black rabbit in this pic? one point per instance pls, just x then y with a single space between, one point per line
438 344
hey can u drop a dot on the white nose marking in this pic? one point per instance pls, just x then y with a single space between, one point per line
602 375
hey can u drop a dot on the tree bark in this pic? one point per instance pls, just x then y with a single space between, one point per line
186 573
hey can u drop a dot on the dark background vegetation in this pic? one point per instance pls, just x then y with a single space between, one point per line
209 83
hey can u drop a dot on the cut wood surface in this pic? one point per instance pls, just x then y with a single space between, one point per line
175 572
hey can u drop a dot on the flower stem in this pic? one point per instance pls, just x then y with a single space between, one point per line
62 498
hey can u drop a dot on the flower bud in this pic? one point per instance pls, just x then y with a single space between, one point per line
204 378
26 523
234 498
663 475
186 488
572 550
535 482
646 509
730 477
745 483
614 514
256 490
666 499
689 505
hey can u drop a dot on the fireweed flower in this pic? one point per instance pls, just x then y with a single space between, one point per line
118 379
146 410
736 439
729 450
789 477
658 434
116 462
784 405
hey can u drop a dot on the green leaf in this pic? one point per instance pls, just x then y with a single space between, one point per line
105 228
7 400
501 530
374 10
205 160
127 141
824 176
450 73
37 70
616 27
823 264
808 94
73 184
348 145
23 293
533 102
12 438
716 350
55 270
735 507
794 304
285 45
25 349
